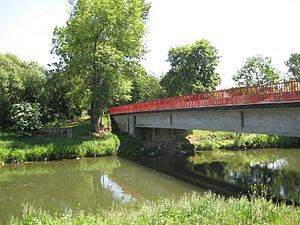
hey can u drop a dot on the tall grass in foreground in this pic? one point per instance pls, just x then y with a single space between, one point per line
205 208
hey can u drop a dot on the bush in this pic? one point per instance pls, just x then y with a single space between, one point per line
26 118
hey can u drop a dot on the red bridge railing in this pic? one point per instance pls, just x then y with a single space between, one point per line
279 92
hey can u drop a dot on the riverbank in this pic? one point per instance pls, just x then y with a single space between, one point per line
211 140
17 149
205 208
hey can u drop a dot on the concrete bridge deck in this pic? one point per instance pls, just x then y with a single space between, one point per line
271 109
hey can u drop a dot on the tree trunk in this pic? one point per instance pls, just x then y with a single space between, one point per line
96 114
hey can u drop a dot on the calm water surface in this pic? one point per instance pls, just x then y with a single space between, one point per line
276 169
235 172
82 185
90 183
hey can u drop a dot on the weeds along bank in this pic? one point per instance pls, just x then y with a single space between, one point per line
210 140
15 149
20 149
204 208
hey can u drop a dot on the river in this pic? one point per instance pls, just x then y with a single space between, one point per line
90 183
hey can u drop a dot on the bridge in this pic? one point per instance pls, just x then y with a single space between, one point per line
267 109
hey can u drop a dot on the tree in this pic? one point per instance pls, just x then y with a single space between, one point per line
66 96
20 81
192 69
293 65
257 70
100 41
145 87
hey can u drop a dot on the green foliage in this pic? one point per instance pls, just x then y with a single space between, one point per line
257 70
210 140
145 87
26 118
15 149
66 96
101 40
195 208
293 65
20 81
192 69
39 148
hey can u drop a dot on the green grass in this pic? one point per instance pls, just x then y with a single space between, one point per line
15 148
209 140
80 125
205 208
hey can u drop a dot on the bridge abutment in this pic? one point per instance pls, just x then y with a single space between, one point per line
127 123
161 134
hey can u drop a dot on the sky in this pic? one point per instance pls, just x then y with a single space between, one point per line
237 28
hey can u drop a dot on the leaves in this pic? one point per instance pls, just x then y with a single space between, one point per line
19 81
26 118
192 69
100 39
293 65
145 86
257 70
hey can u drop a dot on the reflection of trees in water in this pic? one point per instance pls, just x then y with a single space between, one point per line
281 183
55 186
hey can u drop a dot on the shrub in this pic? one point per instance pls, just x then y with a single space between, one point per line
26 118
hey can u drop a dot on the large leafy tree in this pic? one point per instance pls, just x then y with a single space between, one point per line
20 81
192 69
257 70
101 40
293 65
66 95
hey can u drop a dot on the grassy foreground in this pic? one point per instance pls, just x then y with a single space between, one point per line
14 149
205 208
210 140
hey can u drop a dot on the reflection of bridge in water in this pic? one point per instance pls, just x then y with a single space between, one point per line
269 109
123 182
233 178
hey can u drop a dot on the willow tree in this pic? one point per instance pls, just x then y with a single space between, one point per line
101 40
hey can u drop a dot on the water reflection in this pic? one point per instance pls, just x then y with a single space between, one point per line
281 176
89 183
81 185
117 190
277 169
277 164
